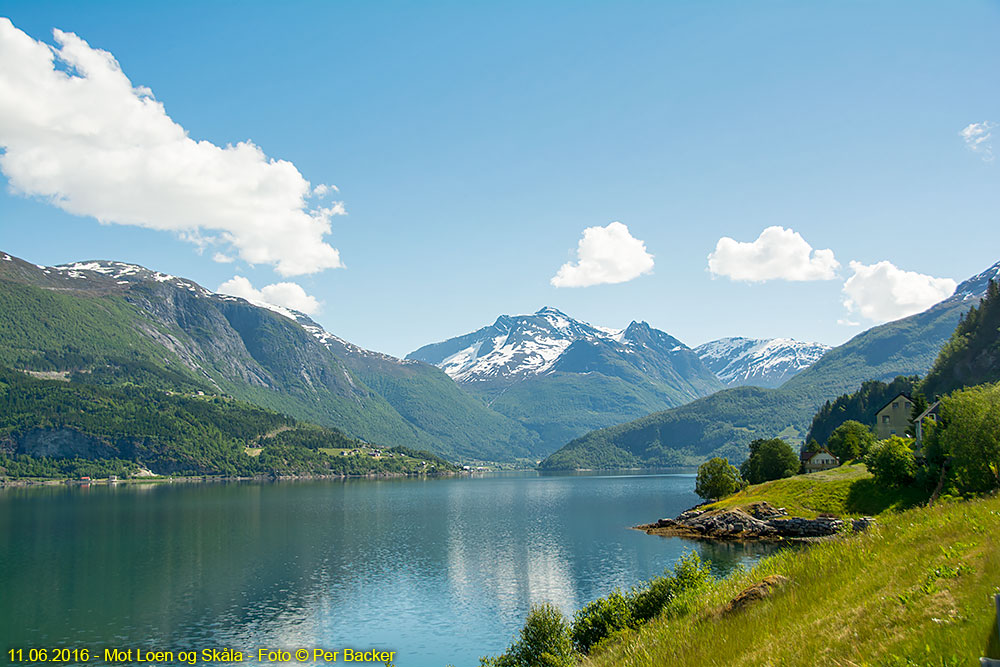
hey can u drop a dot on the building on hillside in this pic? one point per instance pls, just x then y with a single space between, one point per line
819 460
894 417
933 413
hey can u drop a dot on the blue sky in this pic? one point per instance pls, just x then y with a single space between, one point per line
472 144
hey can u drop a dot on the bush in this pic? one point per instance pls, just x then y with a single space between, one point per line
544 642
603 617
769 459
970 434
600 619
717 479
850 440
891 462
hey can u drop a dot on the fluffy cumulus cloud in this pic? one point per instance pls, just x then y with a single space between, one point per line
605 255
279 296
979 138
76 132
882 292
777 254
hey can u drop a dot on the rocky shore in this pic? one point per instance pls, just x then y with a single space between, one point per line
759 521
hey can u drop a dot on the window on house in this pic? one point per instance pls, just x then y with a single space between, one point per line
895 405
885 419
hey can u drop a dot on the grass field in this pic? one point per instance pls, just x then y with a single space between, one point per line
848 490
915 590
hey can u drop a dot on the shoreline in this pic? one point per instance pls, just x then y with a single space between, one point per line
210 479
757 522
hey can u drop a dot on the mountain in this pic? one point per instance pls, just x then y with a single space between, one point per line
759 362
113 323
724 423
561 377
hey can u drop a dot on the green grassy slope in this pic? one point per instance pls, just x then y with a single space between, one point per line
848 490
915 590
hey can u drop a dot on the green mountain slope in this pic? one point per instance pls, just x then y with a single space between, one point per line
105 321
724 423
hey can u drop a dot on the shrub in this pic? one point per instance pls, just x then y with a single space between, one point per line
603 617
891 462
689 573
970 434
717 479
544 642
600 619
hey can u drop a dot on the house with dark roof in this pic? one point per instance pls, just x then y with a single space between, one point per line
894 417
821 459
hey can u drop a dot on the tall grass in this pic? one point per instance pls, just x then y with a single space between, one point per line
915 590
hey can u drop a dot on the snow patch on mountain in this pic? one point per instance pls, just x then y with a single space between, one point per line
762 362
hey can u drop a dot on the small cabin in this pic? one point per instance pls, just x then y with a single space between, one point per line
819 460
894 417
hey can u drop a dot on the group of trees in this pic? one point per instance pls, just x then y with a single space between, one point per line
769 459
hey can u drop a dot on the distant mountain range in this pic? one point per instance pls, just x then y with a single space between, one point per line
725 422
521 387
117 323
760 362
561 377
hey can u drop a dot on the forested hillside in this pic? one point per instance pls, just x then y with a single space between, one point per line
60 428
972 354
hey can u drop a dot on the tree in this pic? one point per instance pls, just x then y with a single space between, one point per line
717 479
970 434
544 642
850 440
769 459
892 462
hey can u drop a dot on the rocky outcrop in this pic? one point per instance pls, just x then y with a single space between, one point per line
759 521
762 590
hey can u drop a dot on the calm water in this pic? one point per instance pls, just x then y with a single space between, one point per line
440 571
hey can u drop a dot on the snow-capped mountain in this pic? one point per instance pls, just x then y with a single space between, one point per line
512 347
761 362
559 376
519 346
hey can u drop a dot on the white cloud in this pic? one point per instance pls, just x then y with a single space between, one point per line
777 254
278 297
76 132
223 258
979 138
882 292
605 255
